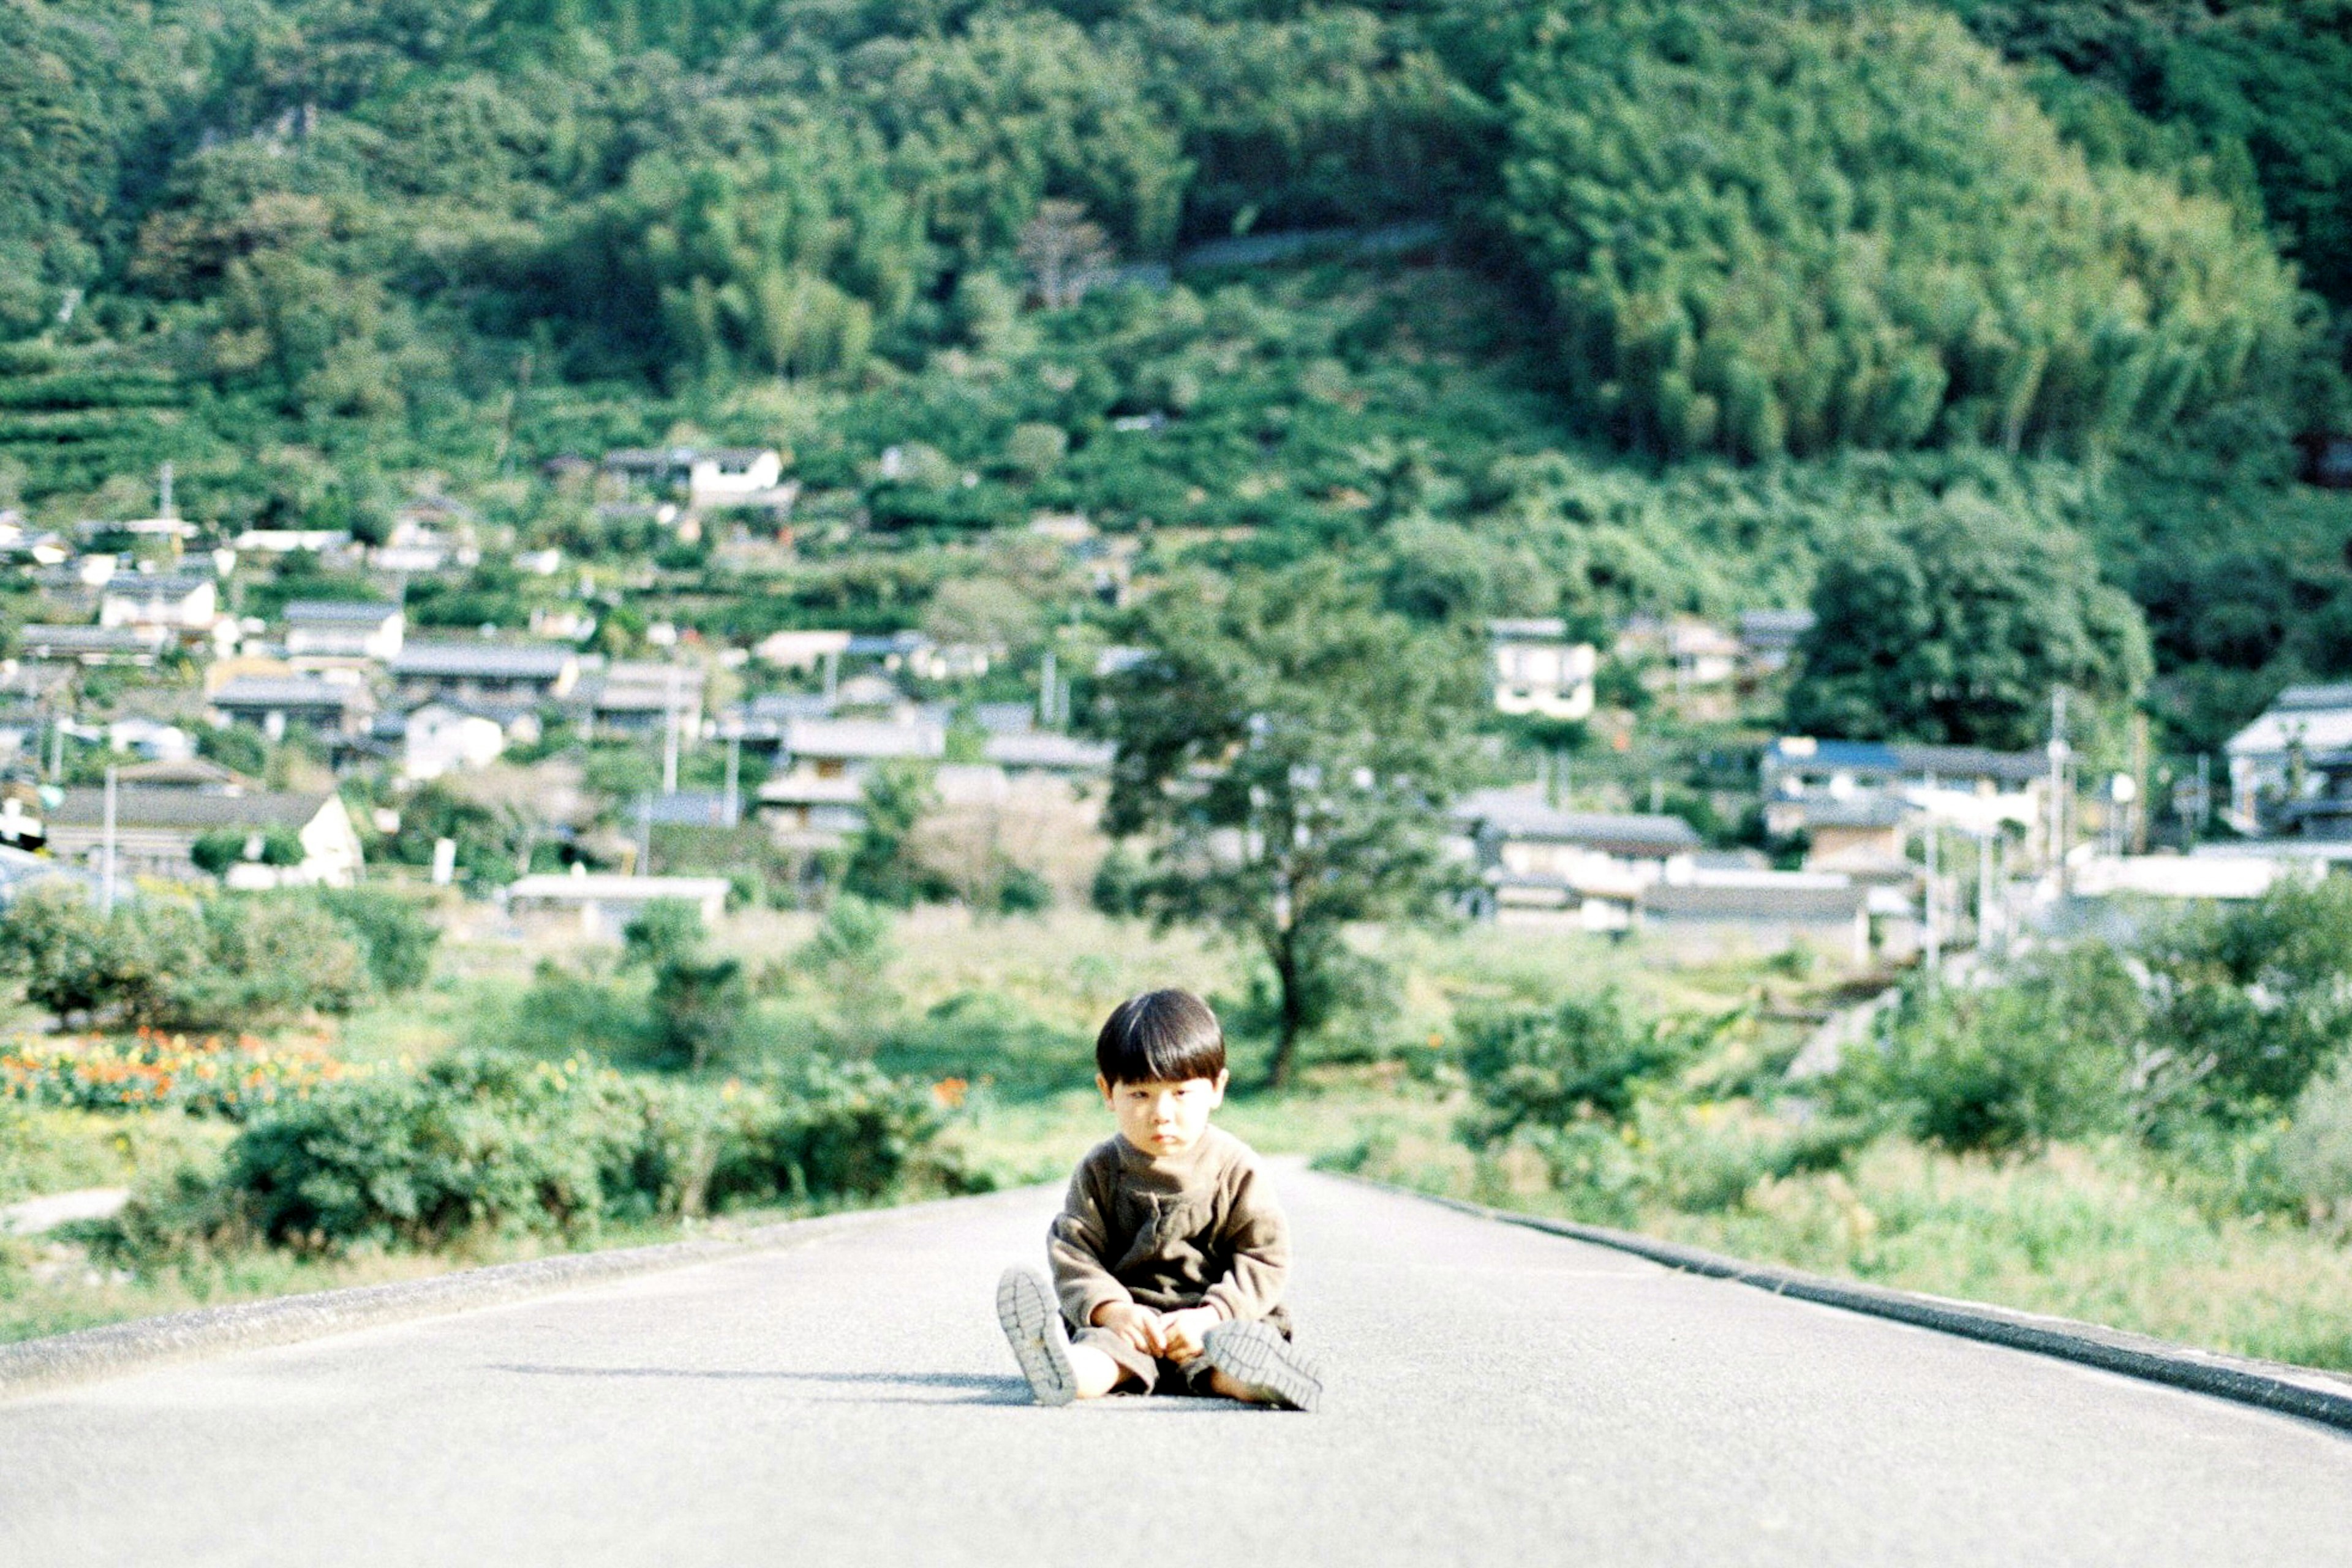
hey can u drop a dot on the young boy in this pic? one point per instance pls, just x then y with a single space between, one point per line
1169 1254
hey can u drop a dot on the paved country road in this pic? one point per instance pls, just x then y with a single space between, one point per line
1499 1395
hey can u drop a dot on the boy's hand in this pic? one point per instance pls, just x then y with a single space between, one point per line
1137 1325
1183 1336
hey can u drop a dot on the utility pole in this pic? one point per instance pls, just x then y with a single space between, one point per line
2140 782
1049 699
2058 781
1935 937
1984 889
670 736
106 853
734 806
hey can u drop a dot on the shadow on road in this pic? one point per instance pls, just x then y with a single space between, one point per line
955 1387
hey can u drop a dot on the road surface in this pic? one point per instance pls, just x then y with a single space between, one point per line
1497 1395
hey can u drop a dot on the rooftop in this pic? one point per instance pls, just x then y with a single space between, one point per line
497 661
187 808
1514 814
337 613
289 692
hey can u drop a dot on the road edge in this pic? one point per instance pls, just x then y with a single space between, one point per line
2304 1392
111 1349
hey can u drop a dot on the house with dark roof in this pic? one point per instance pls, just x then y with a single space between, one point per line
93 646
1538 864
1703 920
272 704
321 629
497 674
638 698
156 831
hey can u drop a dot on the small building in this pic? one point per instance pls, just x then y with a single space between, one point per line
1701 920
1540 865
472 674
761 723
94 647
801 649
320 629
1049 751
2291 770
603 904
322 541
156 831
1769 640
333 708
693 809
809 810
439 738
710 476
638 698
186 603
835 748
1537 670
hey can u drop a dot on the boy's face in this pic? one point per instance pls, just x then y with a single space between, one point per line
1165 1118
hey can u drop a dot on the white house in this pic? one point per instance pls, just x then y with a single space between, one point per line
155 829
712 476
327 708
334 629
1537 670
1541 865
832 748
439 738
2290 757
603 905
638 697
500 673
181 602
801 650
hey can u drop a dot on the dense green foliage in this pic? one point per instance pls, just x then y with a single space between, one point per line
1771 233
229 962
1954 623
480 1141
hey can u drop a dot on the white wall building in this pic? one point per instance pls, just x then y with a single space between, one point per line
1537 670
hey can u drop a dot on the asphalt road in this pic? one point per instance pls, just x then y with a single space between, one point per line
1497 1395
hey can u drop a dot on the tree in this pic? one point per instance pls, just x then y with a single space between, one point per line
1066 254
1953 624
1290 750
882 865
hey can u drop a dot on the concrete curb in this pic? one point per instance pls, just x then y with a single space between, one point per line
88 1355
2299 1391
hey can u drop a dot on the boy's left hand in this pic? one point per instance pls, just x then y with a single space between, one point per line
1183 1336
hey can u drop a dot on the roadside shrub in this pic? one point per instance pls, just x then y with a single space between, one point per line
209 1076
484 1141
1702 1159
224 847
2248 1004
2006 1066
565 1012
848 962
232 962
699 1007
395 937
2313 1158
1587 1058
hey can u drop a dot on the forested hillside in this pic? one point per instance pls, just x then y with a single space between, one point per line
1694 291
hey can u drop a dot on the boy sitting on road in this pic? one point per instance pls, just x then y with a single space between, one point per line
1170 1254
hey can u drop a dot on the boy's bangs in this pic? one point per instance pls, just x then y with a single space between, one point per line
1161 1037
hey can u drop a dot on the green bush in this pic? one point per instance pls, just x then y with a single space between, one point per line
2044 1056
234 962
216 851
1550 1069
2249 1002
491 1143
395 936
2313 1158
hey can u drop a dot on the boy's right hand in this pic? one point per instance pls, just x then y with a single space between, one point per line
1137 1325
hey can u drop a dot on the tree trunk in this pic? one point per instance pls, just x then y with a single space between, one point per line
1285 1041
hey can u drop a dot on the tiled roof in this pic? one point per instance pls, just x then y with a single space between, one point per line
489 661
187 808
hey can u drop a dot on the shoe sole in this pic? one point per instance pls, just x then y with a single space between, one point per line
1261 1361
1029 1317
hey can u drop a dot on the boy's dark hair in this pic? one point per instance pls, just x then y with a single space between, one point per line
1161 1037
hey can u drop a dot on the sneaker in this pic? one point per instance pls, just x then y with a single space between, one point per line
1267 1367
1033 1327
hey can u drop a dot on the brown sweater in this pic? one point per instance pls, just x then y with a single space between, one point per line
1195 1229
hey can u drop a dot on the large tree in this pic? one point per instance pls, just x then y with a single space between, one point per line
1289 750
1954 623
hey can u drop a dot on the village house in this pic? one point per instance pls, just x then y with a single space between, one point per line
328 709
477 674
838 748
439 738
1769 638
602 905
2291 770
639 697
1704 920
1538 672
185 604
94 647
1540 865
714 476
156 831
318 630
1027 751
